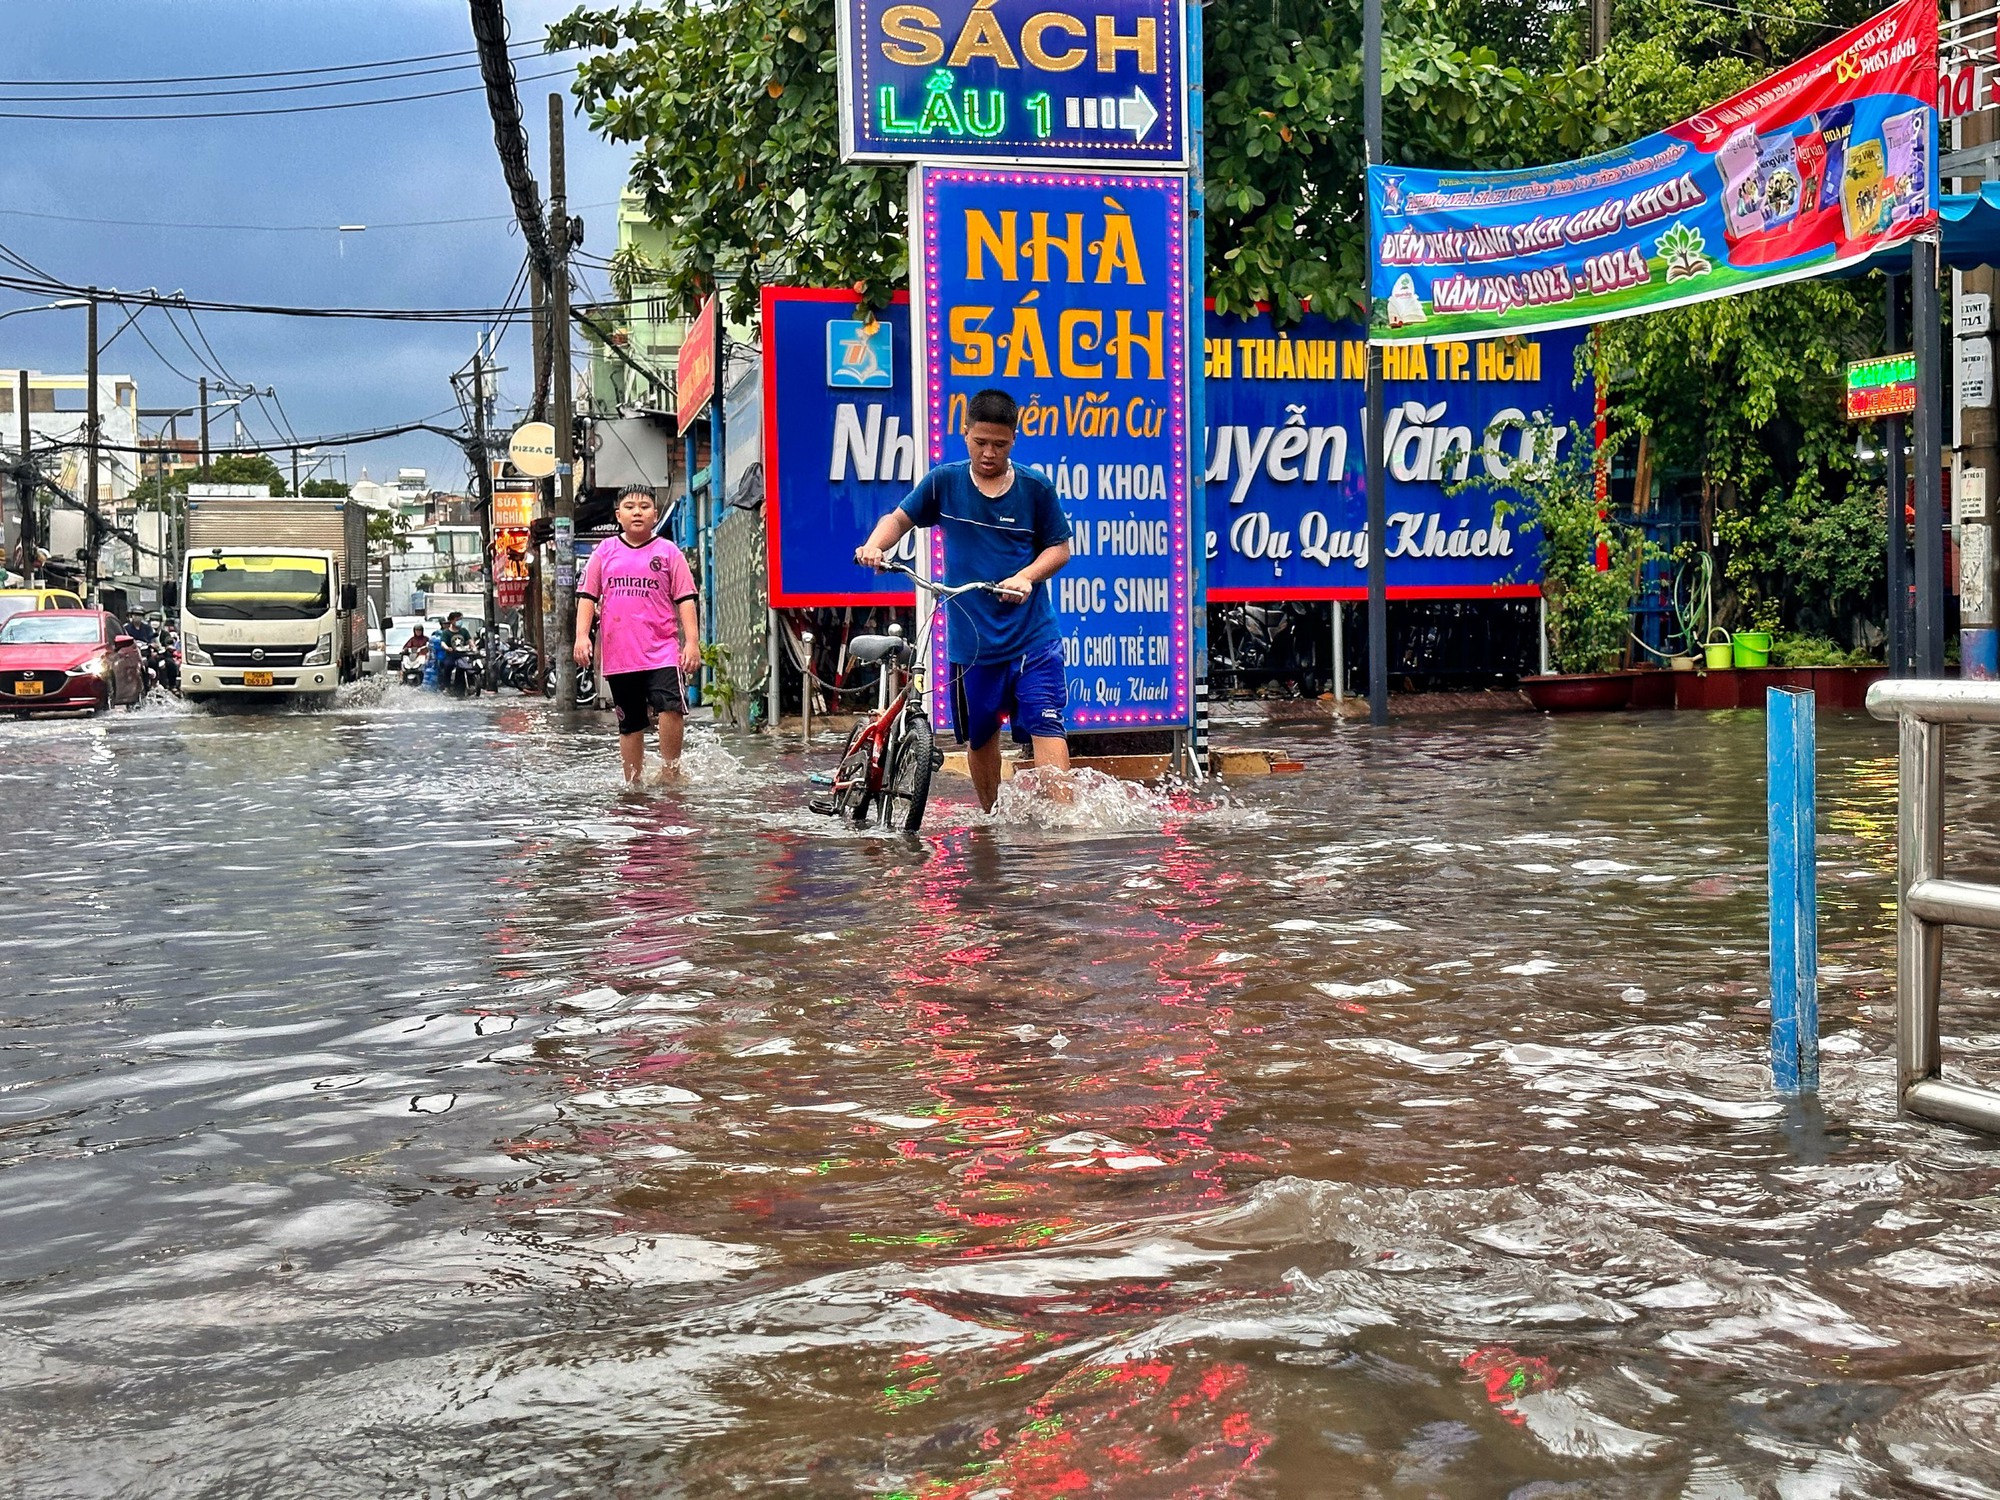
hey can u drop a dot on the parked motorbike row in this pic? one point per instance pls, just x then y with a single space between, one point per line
462 672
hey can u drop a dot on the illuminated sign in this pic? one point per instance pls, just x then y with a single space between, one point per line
1068 290
1884 387
1013 81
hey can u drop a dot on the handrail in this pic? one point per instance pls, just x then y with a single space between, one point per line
1926 903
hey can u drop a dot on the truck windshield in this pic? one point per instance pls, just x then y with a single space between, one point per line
234 587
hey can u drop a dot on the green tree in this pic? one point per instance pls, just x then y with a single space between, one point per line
1745 393
731 107
227 468
325 489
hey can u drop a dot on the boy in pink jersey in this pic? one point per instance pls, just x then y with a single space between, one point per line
638 591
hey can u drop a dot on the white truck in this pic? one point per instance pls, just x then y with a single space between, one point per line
271 602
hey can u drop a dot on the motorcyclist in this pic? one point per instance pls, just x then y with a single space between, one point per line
418 641
137 628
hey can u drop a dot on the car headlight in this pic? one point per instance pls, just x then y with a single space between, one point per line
193 655
322 654
97 666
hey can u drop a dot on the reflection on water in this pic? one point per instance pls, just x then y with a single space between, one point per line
393 1103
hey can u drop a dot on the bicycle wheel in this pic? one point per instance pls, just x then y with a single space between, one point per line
906 783
852 796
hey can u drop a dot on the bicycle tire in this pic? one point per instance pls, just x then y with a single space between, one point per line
851 801
906 784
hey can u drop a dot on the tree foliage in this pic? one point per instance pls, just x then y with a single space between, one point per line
1745 392
225 468
731 108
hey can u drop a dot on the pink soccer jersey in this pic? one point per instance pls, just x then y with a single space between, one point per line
638 591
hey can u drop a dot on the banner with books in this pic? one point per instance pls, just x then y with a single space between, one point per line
1815 168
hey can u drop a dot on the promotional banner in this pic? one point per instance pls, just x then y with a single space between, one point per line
840 445
1287 481
1815 168
1090 82
1068 290
1285 515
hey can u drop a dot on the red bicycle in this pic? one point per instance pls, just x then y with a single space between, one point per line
886 765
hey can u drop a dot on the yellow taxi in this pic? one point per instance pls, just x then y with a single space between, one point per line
17 601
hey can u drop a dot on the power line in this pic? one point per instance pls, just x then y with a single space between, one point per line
265 88
248 114
392 62
23 213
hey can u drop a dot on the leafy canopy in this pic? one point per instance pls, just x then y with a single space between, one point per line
732 110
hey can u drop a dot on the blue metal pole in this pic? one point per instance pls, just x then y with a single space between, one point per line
1197 406
1790 743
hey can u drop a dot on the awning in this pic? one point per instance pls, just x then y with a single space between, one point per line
1971 238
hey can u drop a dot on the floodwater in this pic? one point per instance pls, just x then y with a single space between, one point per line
391 1105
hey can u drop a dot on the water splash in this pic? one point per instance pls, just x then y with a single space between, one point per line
1083 800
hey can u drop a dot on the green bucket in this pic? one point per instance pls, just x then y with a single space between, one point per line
1715 654
1751 648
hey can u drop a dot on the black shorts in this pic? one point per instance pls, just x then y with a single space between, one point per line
633 692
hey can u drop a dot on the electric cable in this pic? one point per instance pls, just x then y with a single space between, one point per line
371 227
144 96
251 114
510 136
393 62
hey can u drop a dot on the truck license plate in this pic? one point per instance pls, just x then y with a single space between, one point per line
256 679
27 688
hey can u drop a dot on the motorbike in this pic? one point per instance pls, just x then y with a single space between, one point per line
1267 646
416 661
517 666
464 673
586 686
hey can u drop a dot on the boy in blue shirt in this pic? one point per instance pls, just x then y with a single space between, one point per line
1002 525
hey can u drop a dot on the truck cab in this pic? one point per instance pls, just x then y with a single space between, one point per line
265 621
271 594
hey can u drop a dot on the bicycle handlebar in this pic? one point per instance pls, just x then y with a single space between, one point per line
939 590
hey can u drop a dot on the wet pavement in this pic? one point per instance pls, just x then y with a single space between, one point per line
391 1105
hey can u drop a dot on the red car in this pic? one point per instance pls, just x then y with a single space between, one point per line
67 659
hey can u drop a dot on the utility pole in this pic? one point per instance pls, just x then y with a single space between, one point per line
558 312
26 482
90 440
1378 478
204 426
1600 27
483 476
532 616
1977 437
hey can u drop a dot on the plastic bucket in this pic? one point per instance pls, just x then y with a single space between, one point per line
1716 653
1751 648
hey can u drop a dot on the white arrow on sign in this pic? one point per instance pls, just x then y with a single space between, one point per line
1137 114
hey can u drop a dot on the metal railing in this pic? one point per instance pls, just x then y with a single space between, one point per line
1926 902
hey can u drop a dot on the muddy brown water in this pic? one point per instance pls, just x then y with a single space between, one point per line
390 1105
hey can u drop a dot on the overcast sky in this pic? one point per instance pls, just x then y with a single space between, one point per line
432 159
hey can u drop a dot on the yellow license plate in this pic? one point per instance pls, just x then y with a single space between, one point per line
256 679
27 689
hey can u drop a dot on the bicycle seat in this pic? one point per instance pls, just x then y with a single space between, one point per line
870 648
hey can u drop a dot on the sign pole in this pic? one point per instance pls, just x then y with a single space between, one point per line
1928 455
1899 542
1197 403
1378 497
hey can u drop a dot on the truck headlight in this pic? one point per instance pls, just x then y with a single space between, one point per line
193 655
322 654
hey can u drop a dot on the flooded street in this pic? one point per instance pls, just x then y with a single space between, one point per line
392 1105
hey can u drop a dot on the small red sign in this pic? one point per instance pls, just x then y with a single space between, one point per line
694 373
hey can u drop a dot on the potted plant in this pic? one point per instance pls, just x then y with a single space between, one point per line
1588 607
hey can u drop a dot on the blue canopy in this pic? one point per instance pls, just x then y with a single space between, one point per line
1971 238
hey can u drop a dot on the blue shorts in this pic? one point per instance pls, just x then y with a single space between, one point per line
1030 691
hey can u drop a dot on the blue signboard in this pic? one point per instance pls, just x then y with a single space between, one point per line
1286 514
1068 291
840 448
1093 82
1287 482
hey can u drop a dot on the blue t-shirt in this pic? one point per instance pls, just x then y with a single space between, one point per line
987 540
